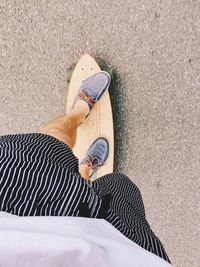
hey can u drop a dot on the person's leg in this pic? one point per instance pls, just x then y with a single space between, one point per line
64 129
127 212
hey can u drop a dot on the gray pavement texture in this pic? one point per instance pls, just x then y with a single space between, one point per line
154 48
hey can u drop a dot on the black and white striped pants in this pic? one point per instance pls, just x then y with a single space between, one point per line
39 177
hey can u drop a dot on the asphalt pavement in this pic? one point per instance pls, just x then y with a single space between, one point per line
154 50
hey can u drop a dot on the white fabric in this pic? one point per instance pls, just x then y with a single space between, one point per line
68 241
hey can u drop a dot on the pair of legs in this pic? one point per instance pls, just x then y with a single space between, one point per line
64 129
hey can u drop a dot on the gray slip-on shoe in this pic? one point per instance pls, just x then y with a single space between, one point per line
97 154
93 88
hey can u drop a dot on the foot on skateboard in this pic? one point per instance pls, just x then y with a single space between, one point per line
93 88
96 155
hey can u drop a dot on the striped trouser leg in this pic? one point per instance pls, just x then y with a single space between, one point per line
127 211
39 177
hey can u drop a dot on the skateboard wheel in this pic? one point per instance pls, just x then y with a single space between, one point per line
110 71
106 66
69 74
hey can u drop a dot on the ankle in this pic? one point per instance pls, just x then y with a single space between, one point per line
82 106
85 171
79 112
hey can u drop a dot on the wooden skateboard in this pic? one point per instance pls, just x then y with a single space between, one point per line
100 120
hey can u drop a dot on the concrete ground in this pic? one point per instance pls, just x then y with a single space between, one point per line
154 47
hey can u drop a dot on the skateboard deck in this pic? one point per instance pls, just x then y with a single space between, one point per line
99 123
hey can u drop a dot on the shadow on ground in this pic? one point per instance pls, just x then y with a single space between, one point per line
118 106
